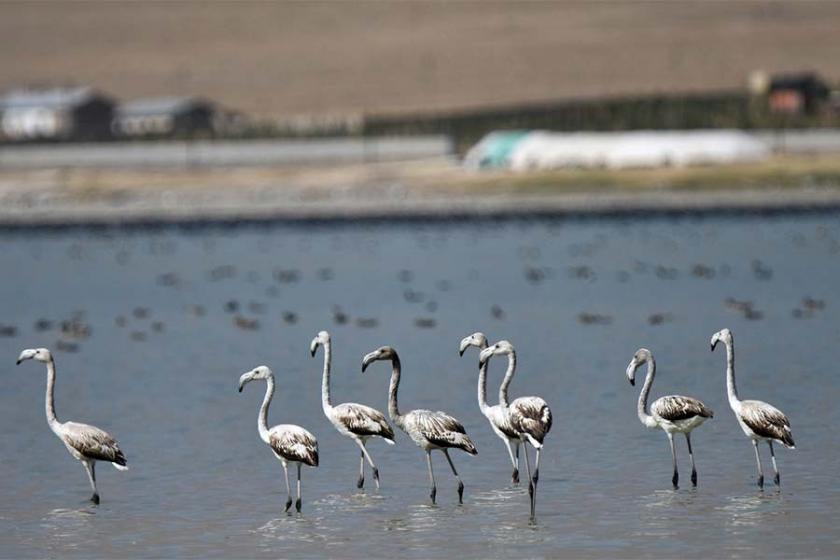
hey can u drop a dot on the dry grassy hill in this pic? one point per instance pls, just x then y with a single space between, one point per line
307 58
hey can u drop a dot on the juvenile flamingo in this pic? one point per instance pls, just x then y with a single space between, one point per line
87 444
759 420
675 414
497 415
530 417
429 430
356 421
290 443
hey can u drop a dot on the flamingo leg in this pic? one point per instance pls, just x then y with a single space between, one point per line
90 469
530 479
288 486
536 479
431 474
361 482
460 484
366 455
675 480
758 461
514 462
298 502
776 478
691 454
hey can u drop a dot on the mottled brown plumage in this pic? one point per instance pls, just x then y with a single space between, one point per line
92 443
294 444
363 421
678 407
530 415
439 429
767 421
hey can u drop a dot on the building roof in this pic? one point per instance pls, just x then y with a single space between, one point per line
808 82
55 98
150 106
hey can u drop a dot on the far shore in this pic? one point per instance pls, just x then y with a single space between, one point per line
436 188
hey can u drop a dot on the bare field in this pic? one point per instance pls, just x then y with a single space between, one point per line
279 59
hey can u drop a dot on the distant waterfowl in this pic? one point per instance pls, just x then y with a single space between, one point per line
674 414
290 443
356 421
530 417
497 415
759 420
429 430
87 444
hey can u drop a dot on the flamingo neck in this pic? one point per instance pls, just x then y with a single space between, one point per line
482 389
642 408
262 418
393 405
731 389
503 388
326 402
50 399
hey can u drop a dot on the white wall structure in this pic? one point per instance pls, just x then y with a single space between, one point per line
614 150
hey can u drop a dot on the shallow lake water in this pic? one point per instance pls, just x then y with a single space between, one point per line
160 323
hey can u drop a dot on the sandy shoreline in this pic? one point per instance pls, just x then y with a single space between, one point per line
434 189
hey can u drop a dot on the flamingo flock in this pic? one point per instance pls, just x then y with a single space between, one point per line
524 422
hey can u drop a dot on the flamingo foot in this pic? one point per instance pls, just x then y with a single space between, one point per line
460 492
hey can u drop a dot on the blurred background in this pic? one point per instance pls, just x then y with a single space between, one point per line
561 85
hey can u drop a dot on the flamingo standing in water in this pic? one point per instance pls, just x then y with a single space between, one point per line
87 444
675 414
530 417
290 443
429 430
759 420
356 421
496 415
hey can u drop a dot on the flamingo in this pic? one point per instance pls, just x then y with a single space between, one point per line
87 444
429 430
288 442
497 415
530 417
356 421
674 414
759 420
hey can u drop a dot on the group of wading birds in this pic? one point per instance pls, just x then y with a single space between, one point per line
525 421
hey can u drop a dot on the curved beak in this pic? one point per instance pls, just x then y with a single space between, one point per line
465 343
713 344
25 355
243 379
313 346
368 359
631 372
